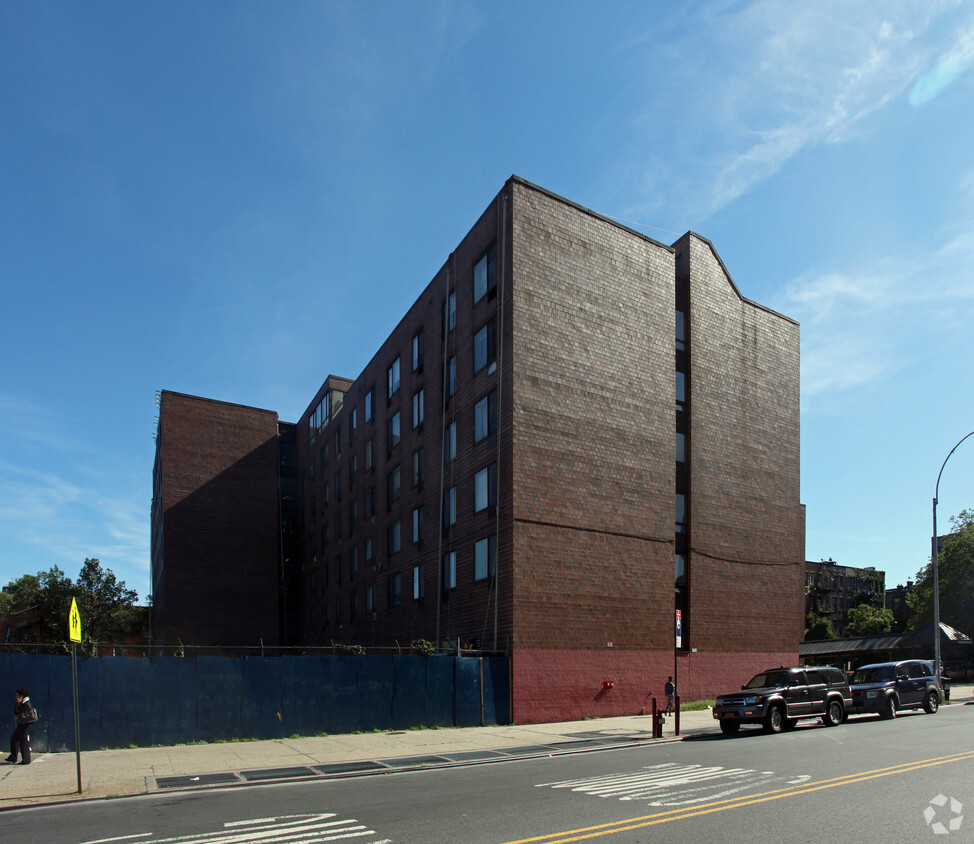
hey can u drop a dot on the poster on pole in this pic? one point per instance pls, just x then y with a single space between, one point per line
679 628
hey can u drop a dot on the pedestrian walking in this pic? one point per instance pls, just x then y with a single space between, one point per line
670 690
25 715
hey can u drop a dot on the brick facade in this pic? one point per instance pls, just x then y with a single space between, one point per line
583 373
215 562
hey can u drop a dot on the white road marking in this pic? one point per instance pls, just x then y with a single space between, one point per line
283 829
673 785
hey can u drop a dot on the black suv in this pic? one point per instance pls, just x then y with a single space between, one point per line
778 697
887 687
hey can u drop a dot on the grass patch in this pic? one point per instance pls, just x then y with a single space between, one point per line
696 705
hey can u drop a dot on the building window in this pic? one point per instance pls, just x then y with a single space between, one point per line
681 513
352 425
370 405
392 377
681 448
418 350
485 488
370 455
370 599
418 524
681 330
681 388
338 571
352 606
484 347
451 377
338 611
338 485
449 507
395 590
450 313
485 417
352 471
417 467
353 562
370 502
393 486
485 275
418 409
338 440
394 536
352 518
370 551
484 558
450 443
450 570
393 431
419 587
338 528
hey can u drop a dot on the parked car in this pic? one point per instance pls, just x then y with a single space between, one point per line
886 688
779 697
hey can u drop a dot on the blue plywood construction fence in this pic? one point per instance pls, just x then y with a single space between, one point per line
127 701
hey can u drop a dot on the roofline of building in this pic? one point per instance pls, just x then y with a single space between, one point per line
220 401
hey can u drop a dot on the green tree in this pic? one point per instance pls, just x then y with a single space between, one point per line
956 575
818 627
867 620
107 607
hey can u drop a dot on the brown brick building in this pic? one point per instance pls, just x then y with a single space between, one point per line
573 432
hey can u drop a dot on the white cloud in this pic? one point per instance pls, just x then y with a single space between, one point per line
862 327
790 77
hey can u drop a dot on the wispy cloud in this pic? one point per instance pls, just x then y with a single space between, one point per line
863 326
791 77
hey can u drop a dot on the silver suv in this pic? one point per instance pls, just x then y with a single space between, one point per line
888 687
779 697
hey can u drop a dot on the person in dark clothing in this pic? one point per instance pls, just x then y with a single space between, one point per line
25 716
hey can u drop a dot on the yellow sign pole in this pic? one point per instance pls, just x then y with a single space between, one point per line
74 631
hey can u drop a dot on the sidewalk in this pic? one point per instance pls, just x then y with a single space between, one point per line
53 777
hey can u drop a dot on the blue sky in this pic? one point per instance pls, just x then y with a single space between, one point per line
235 199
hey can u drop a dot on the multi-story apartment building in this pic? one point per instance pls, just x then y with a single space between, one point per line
575 435
831 590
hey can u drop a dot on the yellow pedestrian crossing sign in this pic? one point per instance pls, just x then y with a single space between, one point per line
74 622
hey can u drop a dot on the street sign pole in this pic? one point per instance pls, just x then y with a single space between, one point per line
74 627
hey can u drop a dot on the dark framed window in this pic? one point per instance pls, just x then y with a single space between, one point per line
485 275
418 524
393 431
484 558
450 570
449 506
485 488
419 408
392 377
418 471
393 486
418 350
485 417
370 404
394 537
395 590
419 586
485 346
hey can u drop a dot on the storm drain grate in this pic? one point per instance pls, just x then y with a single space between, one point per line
201 779
413 761
350 767
276 773
473 755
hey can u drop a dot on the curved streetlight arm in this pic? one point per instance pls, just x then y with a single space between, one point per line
934 559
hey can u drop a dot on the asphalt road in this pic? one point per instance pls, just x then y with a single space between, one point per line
866 780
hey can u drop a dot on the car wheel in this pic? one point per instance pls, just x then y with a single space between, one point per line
931 703
774 721
833 714
889 709
729 727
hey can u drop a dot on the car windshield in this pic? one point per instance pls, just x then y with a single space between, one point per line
768 679
875 674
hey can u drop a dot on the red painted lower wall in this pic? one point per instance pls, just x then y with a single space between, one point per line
549 686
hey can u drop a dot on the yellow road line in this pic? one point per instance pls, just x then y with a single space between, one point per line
737 802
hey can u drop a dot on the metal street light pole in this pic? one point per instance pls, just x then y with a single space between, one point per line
935 559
